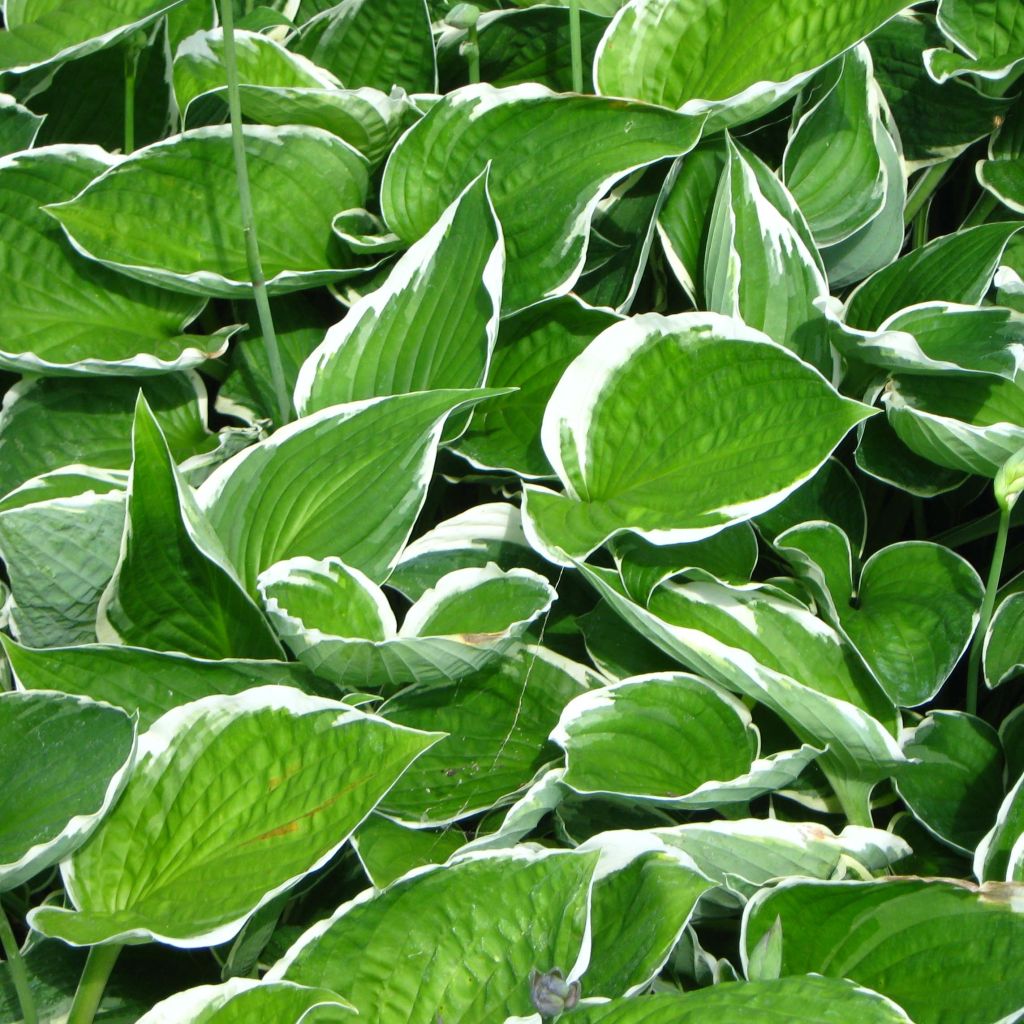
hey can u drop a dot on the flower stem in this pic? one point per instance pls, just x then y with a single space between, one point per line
252 249
16 966
92 983
131 68
576 44
987 605
982 208
923 189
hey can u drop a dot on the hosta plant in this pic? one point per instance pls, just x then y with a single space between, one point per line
508 511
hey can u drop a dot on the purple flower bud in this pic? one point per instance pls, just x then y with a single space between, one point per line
551 993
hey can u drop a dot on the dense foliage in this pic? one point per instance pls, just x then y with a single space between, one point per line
509 514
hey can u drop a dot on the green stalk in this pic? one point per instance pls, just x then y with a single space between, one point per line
131 68
987 605
923 189
471 48
252 249
576 44
982 208
16 966
854 798
92 983
920 228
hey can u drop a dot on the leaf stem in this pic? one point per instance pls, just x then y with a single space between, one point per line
131 69
982 208
854 797
92 983
19 975
988 603
252 249
576 45
471 48
923 189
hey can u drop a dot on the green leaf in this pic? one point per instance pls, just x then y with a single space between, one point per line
1005 180
170 214
989 32
752 248
1004 642
248 793
388 850
956 788
199 66
171 590
833 164
19 126
497 722
523 46
643 899
245 999
756 643
736 61
935 121
568 149
64 761
683 386
431 325
904 938
1000 854
482 923
60 550
347 481
65 314
375 43
338 623
729 555
953 268
971 424
486 533
49 423
779 1001
48 31
149 683
533 349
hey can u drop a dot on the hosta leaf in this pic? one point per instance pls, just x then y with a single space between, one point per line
246 794
642 900
545 793
170 213
832 163
569 149
989 32
1005 180
338 623
482 923
431 325
956 788
18 125
48 423
775 652
65 760
752 247
656 404
533 349
745 855
497 722
143 681
1000 855
972 424
935 121
486 533
729 555
523 46
47 31
242 999
368 463
736 60
171 590
65 314
904 938
685 218
388 850
1004 642
808 1000
59 551
953 268
375 43
199 66
937 336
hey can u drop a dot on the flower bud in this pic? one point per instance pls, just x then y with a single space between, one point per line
551 993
